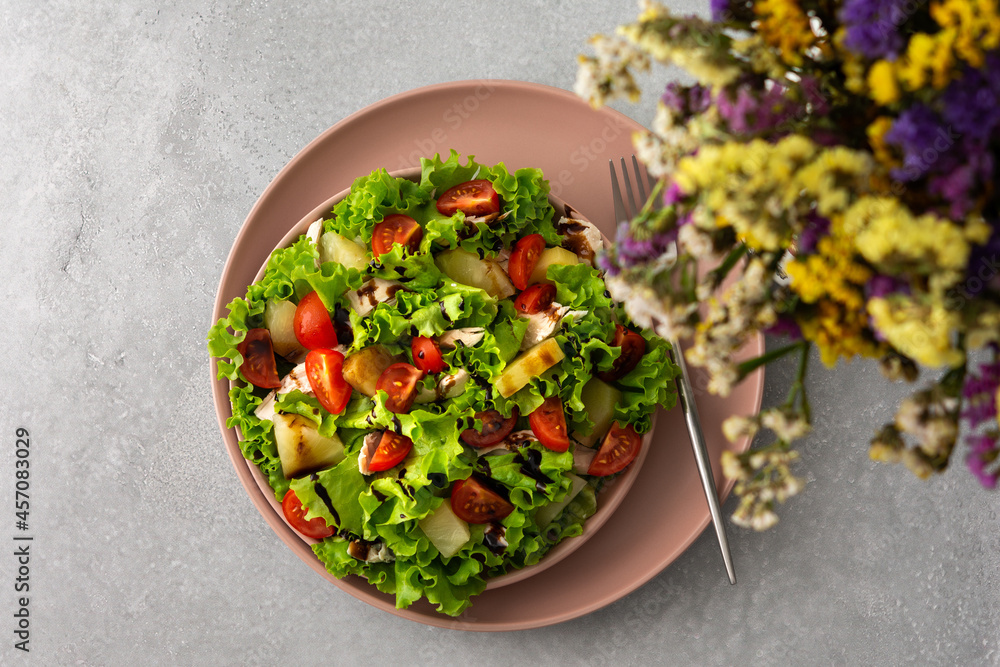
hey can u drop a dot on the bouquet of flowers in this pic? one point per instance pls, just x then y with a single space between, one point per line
834 160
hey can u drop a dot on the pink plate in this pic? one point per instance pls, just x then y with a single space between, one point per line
522 125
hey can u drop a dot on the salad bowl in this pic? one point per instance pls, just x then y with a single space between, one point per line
609 498
610 494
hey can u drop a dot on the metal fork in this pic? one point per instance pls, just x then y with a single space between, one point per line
684 389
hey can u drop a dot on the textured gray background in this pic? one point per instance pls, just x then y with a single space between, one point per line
136 136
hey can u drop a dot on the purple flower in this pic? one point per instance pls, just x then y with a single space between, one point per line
880 286
927 145
971 103
673 194
748 110
687 101
983 453
816 227
632 251
961 186
813 95
980 392
785 326
731 10
873 26
983 261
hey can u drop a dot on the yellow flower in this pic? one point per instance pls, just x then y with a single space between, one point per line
975 25
919 330
889 236
876 139
882 83
786 27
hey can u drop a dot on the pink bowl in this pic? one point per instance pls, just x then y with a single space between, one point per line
608 500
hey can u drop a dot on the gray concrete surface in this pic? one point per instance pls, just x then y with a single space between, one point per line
135 136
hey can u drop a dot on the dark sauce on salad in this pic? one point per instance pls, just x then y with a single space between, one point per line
444 312
397 424
379 496
575 240
325 497
438 479
530 460
342 325
493 538
483 466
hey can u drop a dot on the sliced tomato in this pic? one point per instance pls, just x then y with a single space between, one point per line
535 299
295 515
471 198
495 428
475 502
633 347
548 423
324 370
399 381
620 447
390 452
523 259
259 367
396 228
313 326
426 355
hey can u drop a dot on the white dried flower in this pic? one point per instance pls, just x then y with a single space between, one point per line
786 424
737 427
696 242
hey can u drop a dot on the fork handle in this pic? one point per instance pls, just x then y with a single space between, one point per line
686 394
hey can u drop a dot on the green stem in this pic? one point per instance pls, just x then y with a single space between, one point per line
799 385
750 365
654 199
719 273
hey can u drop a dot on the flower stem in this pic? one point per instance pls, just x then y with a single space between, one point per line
750 365
798 389
719 273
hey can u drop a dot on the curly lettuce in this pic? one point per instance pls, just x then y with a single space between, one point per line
385 509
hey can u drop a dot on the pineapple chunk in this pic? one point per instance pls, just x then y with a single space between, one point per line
279 318
599 400
468 269
528 365
549 257
446 531
362 369
335 248
546 513
301 448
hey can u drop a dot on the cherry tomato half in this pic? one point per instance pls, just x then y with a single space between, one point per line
295 515
633 347
472 198
312 324
495 428
473 501
548 423
620 447
396 228
426 355
399 381
535 299
259 367
324 370
390 452
523 259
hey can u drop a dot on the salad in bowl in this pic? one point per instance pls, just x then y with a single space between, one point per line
435 382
